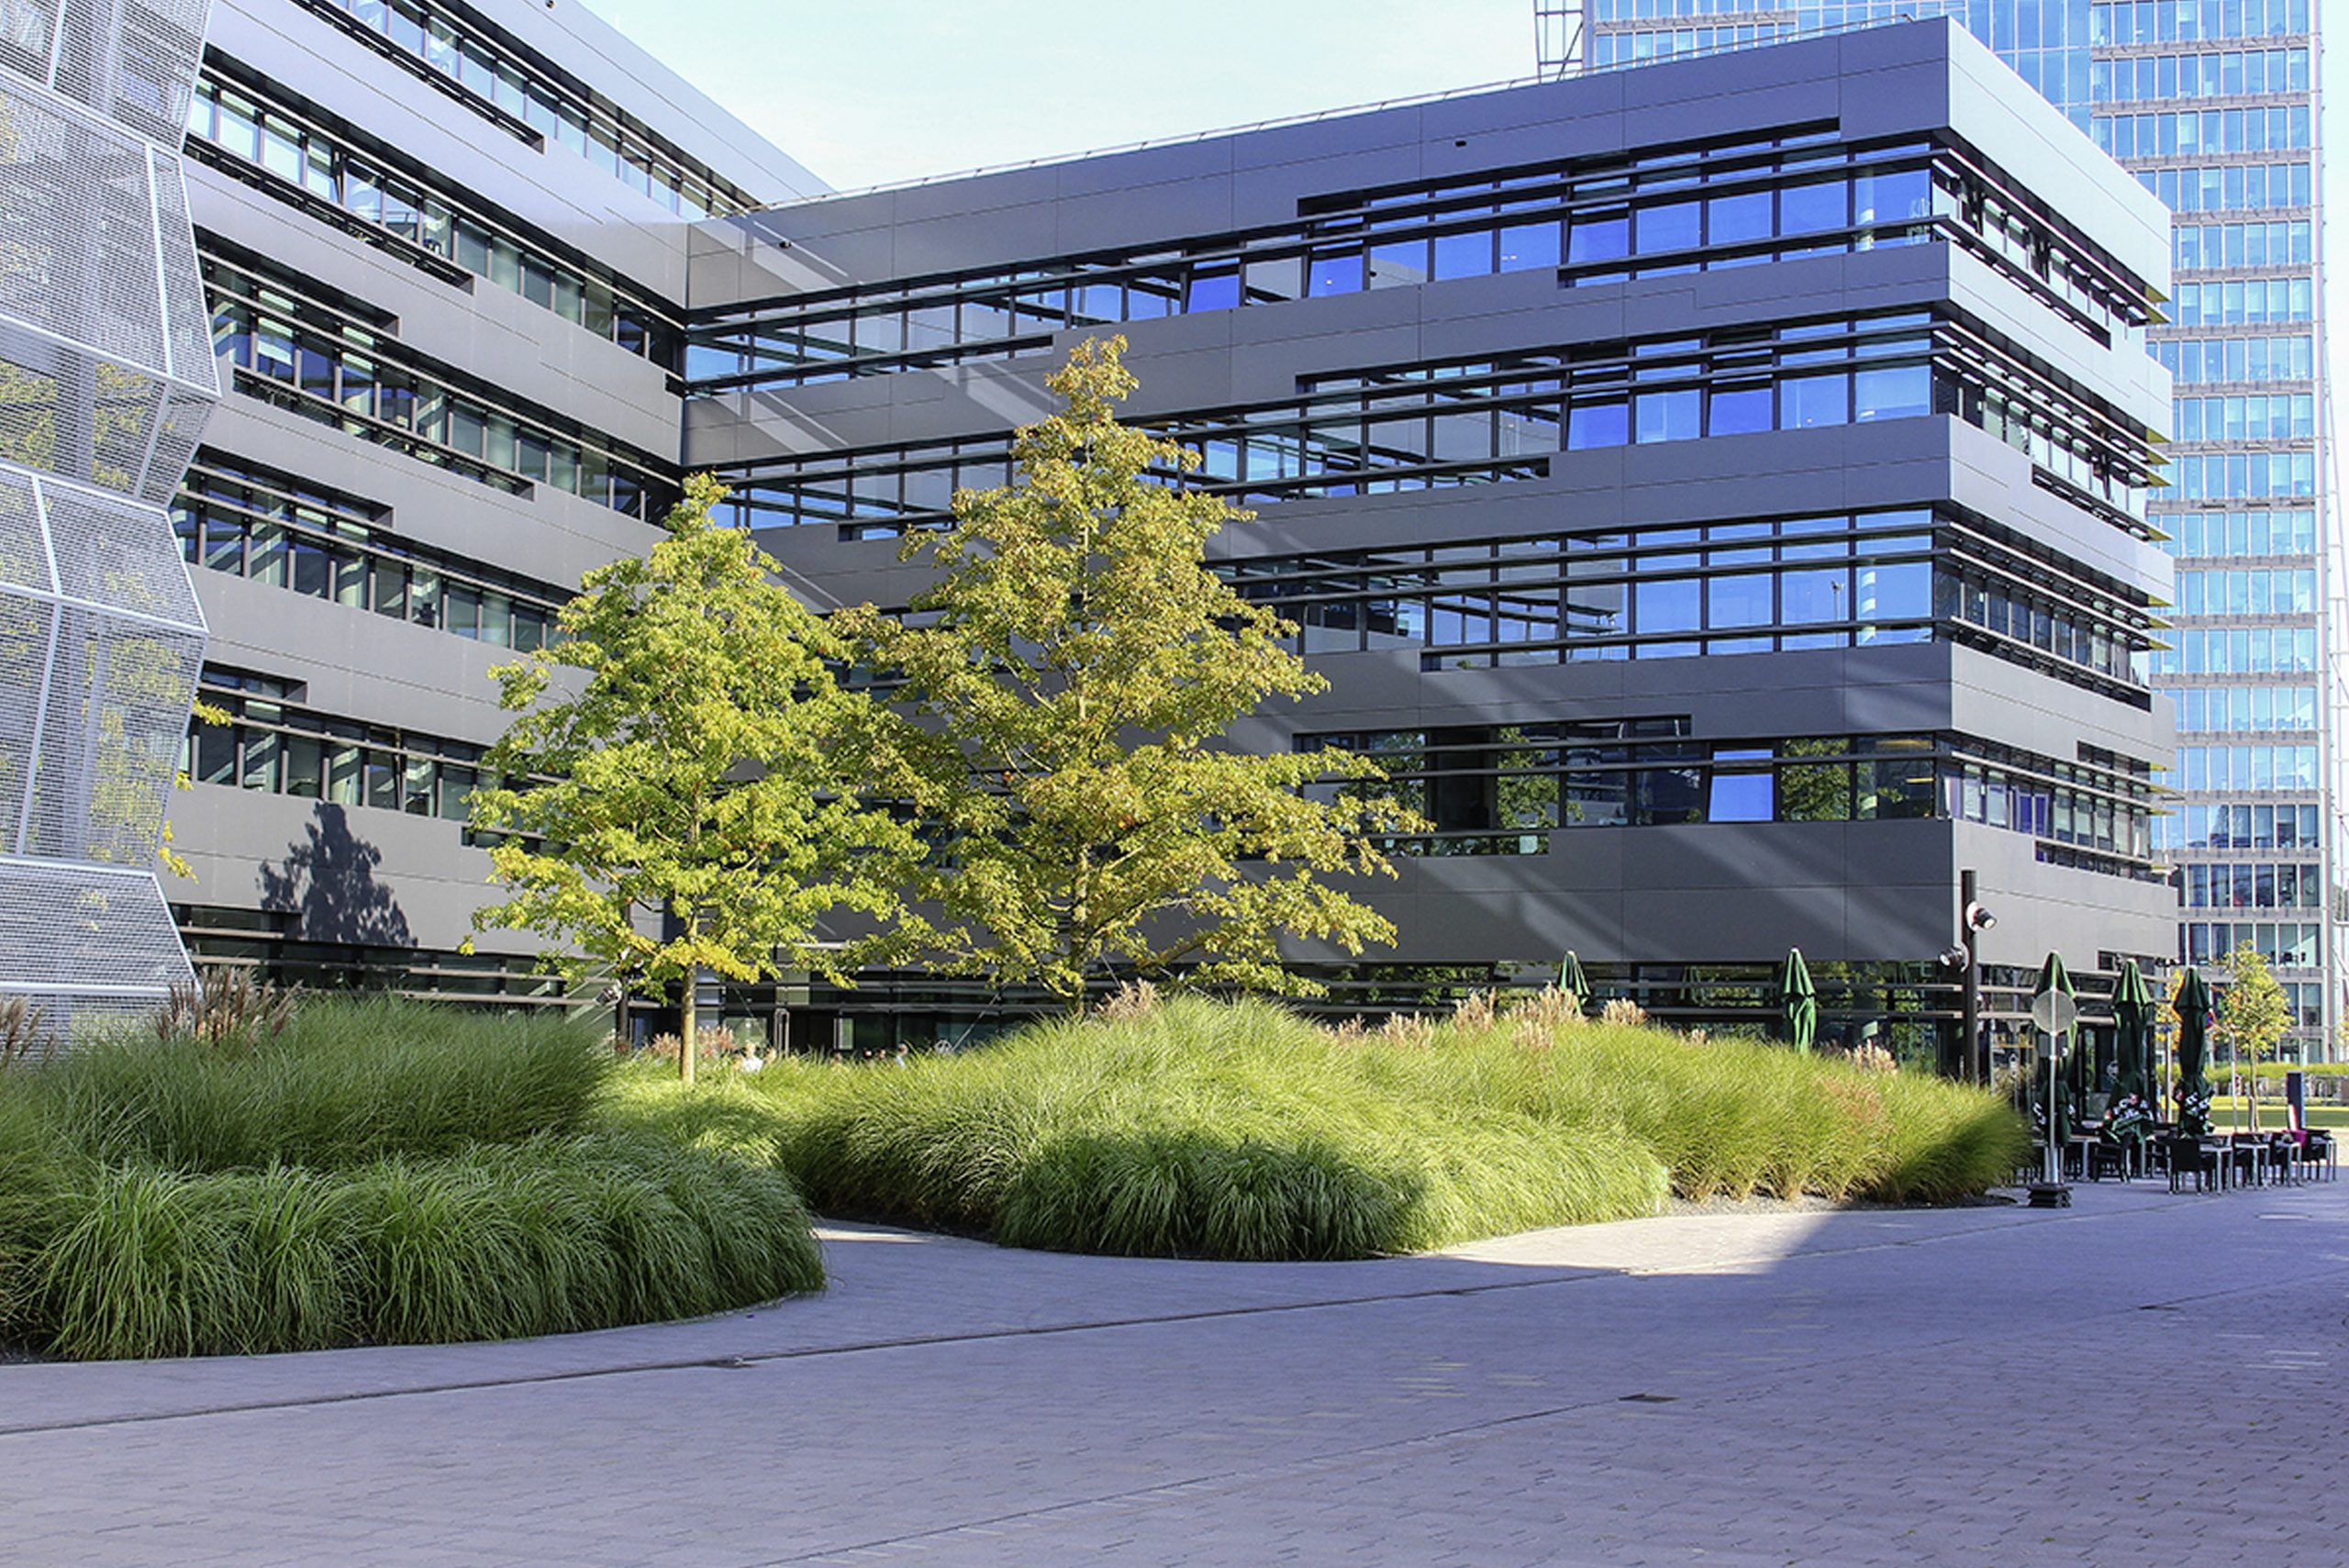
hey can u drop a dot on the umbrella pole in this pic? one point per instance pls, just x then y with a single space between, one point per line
2054 1155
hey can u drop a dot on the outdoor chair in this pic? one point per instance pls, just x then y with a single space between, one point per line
2316 1156
2284 1155
2112 1157
2190 1156
2246 1158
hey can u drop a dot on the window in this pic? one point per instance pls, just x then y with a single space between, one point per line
1899 392
1807 402
1739 409
1600 237
1603 423
1666 415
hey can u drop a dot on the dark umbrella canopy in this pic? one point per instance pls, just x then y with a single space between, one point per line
1573 982
2062 1059
2133 1020
1797 1001
2193 1010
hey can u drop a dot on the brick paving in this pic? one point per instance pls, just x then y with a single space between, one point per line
2141 1379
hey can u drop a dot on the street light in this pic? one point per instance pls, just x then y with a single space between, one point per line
1972 920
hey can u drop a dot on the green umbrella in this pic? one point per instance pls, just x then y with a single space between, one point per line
1797 1001
2132 1022
2054 976
1574 982
2193 1010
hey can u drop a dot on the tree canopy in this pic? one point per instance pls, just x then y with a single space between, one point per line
685 785
1073 670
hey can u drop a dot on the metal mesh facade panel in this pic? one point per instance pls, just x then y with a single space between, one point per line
107 376
131 60
187 320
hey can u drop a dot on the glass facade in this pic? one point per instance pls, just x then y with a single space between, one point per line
2210 104
458 49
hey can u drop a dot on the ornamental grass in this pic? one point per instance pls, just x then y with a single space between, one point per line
374 1173
1239 1129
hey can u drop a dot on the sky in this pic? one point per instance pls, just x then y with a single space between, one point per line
867 91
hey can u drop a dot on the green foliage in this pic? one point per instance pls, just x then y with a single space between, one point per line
1074 666
379 1173
345 1082
2251 1007
546 1237
703 760
2254 1013
1241 1130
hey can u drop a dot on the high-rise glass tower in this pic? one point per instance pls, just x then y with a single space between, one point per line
2212 104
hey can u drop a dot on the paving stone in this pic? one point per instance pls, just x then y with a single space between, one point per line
2139 1378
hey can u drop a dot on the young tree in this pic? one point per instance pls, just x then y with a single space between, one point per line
1074 667
710 770
2253 1012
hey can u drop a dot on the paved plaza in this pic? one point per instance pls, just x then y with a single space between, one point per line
2144 1379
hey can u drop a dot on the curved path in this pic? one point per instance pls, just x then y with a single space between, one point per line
2141 1379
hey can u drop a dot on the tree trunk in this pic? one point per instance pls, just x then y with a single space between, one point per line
686 1048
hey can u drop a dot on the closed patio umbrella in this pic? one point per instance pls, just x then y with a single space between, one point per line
2133 1024
1797 1001
2193 1010
2054 976
1573 982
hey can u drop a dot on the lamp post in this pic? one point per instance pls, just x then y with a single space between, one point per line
1972 920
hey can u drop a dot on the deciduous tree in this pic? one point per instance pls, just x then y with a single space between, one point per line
2254 1014
1076 665
709 769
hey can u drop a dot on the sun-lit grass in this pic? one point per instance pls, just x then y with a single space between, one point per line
381 1172
346 1082
1240 1130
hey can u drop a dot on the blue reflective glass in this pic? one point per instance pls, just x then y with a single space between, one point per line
1334 274
1673 227
1805 209
1896 593
1218 290
1672 605
1739 410
1528 245
1730 219
1598 425
1807 401
1463 255
1899 392
1592 238
1740 798
1666 415
1812 595
1742 600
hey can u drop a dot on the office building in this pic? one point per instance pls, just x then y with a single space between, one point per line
2214 107
445 249
1717 489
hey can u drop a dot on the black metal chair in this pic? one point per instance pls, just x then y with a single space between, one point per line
2112 1157
2190 1156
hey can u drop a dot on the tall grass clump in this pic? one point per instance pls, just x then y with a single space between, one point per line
341 1084
368 1172
1240 1130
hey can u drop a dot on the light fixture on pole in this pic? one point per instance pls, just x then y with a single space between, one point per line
1972 920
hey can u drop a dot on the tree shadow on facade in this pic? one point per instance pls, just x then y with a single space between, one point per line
326 882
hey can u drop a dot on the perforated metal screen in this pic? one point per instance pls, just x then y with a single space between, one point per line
107 377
